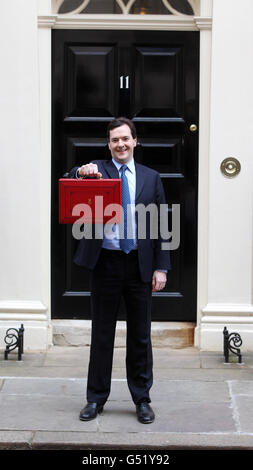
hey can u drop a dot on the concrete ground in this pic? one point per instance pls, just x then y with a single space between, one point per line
199 401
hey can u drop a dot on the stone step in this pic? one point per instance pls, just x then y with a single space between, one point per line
164 334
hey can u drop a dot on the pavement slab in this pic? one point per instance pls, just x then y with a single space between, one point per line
44 412
43 386
244 413
182 417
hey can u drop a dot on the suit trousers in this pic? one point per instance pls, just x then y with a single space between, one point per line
117 275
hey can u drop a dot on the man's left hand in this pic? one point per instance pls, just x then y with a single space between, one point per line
158 281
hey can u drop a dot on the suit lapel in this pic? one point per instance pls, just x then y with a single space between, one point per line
111 169
139 181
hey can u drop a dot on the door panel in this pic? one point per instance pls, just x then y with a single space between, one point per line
152 78
89 82
158 86
164 156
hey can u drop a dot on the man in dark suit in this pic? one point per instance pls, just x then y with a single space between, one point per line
123 266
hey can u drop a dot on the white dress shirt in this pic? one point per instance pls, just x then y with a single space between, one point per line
112 241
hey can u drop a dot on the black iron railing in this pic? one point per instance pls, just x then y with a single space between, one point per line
232 343
14 339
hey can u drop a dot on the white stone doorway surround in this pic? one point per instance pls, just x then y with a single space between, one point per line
172 334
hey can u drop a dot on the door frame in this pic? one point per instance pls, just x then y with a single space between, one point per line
203 23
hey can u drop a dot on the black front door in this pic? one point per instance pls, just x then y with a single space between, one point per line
152 78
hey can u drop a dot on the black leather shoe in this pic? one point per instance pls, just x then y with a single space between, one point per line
145 413
90 411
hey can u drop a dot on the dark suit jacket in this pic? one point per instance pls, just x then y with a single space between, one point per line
149 190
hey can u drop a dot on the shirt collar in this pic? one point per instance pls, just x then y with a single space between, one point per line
130 165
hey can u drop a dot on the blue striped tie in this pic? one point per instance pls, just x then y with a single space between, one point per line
125 244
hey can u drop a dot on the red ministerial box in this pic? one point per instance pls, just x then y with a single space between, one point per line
89 200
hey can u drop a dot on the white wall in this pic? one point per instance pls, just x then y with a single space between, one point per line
230 200
22 295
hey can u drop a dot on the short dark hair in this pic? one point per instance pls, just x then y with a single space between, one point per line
118 122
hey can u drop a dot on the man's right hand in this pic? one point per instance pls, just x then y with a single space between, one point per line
91 169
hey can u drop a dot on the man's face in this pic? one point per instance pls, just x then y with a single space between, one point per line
121 144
